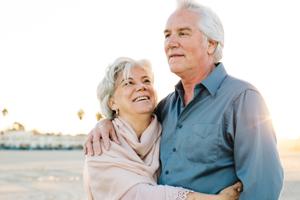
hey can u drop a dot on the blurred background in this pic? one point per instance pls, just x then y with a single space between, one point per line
53 54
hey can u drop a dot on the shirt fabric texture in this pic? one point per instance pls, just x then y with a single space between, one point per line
223 135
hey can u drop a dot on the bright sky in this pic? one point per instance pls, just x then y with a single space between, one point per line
53 54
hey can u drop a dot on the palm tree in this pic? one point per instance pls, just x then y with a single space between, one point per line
80 113
17 126
98 116
4 112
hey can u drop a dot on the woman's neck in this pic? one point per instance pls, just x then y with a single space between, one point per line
139 123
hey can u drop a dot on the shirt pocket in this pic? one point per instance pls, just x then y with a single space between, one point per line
202 141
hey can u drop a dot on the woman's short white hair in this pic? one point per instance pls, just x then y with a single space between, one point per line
209 24
107 85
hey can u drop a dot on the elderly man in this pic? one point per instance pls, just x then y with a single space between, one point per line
216 128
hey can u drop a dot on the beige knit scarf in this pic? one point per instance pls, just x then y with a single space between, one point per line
111 175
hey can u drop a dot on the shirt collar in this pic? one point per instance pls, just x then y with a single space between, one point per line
212 82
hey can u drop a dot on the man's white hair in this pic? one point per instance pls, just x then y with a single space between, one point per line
209 24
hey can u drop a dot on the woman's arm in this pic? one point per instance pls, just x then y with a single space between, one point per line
165 192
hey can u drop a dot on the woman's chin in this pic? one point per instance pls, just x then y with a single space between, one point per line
145 112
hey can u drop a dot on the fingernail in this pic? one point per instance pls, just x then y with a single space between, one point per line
106 145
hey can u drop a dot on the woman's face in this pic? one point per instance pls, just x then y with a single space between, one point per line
135 95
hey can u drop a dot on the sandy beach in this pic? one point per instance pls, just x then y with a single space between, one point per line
291 165
41 175
57 175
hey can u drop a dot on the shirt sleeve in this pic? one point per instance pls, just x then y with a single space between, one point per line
157 192
255 150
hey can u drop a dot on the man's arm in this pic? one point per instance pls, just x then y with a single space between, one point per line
255 152
103 130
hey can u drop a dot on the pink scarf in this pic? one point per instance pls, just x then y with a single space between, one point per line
111 175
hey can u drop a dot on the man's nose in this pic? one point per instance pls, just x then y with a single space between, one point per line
172 41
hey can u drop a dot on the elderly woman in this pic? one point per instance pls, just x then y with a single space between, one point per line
128 171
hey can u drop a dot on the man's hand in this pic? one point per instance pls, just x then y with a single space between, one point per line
232 192
103 130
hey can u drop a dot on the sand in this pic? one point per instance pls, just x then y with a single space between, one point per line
291 165
57 175
41 175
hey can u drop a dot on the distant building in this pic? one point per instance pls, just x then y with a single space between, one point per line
32 140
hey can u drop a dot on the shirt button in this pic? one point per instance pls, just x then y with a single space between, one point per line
179 126
174 149
167 172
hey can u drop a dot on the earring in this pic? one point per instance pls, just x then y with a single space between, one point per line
117 112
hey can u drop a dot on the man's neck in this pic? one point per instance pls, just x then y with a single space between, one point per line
188 92
189 83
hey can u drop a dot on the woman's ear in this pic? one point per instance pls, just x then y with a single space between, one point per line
112 104
212 46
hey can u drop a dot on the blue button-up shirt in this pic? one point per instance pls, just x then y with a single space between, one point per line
223 135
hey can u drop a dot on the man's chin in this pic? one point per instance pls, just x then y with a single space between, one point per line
176 68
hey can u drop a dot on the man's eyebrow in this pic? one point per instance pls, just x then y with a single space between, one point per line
147 77
185 29
179 29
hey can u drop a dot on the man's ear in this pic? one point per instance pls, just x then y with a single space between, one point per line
212 46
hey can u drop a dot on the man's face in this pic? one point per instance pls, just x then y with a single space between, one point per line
185 44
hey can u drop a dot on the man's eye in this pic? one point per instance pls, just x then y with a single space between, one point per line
167 35
147 81
182 34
